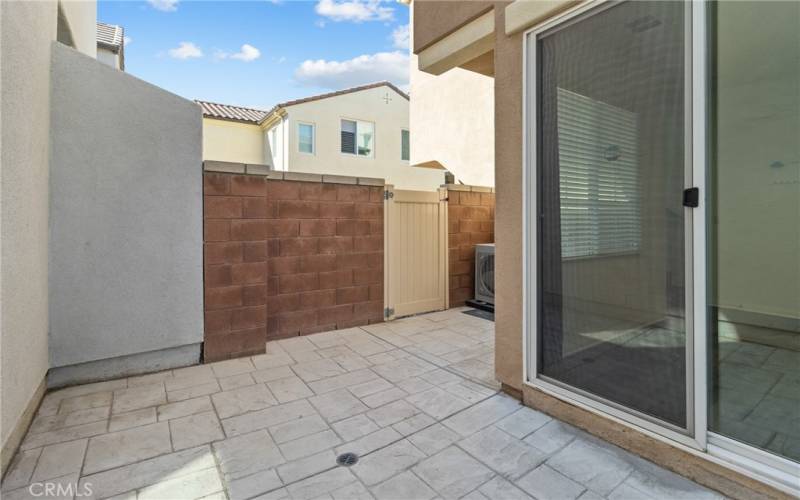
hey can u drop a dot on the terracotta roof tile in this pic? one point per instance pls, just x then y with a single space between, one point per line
110 35
250 115
338 93
228 112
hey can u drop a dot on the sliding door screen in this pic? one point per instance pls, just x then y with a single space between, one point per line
610 114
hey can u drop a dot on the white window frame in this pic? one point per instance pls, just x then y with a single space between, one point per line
401 144
357 122
694 438
313 138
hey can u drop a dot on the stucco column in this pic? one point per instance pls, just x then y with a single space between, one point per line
508 186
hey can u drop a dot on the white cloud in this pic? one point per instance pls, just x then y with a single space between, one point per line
400 37
247 53
356 11
164 5
391 66
186 50
219 55
127 40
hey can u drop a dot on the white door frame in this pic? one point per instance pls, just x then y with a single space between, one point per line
695 436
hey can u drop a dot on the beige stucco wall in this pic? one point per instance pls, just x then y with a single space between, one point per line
459 136
108 57
27 29
81 16
225 140
369 105
508 208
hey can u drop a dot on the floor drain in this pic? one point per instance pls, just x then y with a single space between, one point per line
347 459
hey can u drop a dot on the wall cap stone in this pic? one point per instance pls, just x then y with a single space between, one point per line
371 181
464 187
339 179
457 187
254 169
223 166
301 177
278 175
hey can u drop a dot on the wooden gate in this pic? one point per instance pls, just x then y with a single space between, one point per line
415 252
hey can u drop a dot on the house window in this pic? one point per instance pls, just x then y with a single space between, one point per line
305 138
358 138
405 145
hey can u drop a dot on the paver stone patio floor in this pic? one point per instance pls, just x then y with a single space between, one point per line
415 399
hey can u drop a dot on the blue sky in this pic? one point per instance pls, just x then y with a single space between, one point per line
258 53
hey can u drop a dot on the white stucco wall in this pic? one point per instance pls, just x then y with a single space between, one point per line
370 106
452 122
125 214
275 143
108 57
226 140
27 29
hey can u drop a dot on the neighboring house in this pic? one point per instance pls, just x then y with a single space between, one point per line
111 45
666 321
361 131
232 133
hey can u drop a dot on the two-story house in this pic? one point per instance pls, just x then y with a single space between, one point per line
361 131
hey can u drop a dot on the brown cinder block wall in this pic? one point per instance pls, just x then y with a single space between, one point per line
235 220
286 257
325 252
470 220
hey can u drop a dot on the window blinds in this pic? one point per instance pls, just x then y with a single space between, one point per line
348 137
598 177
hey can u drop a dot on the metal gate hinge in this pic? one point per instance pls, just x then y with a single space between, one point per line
388 312
387 195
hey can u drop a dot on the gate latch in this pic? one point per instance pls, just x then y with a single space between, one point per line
691 197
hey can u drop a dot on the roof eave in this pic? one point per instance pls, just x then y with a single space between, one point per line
274 115
110 46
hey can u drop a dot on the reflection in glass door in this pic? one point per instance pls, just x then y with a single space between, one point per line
611 226
754 250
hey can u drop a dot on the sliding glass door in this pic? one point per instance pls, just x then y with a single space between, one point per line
754 233
626 104
608 141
